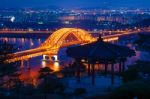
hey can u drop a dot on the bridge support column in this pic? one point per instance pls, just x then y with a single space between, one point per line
55 58
22 64
44 57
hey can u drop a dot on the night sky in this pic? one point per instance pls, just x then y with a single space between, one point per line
75 3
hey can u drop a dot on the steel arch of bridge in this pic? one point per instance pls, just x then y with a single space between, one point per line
57 38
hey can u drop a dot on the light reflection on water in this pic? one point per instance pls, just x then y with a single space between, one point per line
44 64
55 66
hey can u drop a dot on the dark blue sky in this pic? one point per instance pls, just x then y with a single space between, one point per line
75 3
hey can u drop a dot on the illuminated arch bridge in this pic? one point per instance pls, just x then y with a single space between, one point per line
61 38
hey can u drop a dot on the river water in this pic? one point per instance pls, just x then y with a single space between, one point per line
37 63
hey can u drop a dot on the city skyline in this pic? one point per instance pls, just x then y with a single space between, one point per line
75 3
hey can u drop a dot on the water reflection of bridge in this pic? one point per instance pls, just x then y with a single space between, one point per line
59 39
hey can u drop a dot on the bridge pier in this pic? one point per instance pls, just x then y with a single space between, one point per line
55 58
44 57
50 58
22 67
